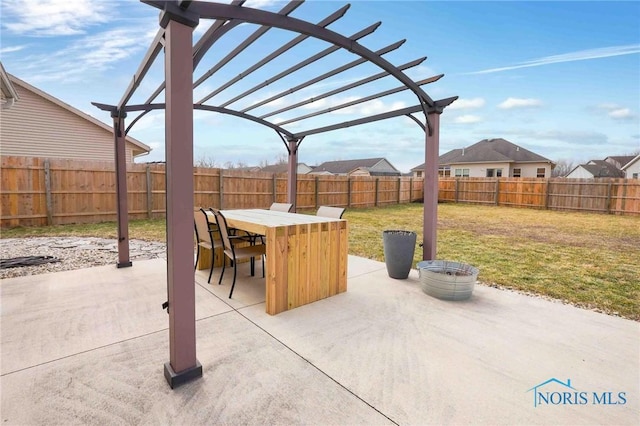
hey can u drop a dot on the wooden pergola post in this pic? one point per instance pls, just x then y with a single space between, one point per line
430 222
292 173
121 188
183 365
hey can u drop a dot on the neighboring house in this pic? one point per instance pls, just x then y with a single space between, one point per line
303 169
632 168
40 125
362 167
619 160
491 158
595 169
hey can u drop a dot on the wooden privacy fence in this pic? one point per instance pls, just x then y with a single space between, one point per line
613 196
38 191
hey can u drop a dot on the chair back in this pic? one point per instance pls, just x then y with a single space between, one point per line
281 207
203 232
327 211
223 228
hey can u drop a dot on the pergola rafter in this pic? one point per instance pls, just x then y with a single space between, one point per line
177 20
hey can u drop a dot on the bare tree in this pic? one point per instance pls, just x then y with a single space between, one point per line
562 168
206 161
282 159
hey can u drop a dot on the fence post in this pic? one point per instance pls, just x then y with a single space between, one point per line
149 193
410 190
497 191
47 189
609 187
548 194
456 191
375 202
349 191
316 190
221 190
399 188
275 183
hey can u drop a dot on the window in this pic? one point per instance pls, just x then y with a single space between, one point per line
444 171
462 172
498 172
419 174
540 172
635 176
516 173
491 172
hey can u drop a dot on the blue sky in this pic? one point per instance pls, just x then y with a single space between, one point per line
559 78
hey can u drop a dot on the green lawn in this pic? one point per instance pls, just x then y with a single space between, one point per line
588 260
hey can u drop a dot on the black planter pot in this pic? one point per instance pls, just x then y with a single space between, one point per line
399 247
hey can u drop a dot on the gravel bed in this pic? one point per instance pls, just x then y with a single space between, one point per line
73 253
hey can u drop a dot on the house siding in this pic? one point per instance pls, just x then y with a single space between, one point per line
480 169
37 127
383 166
580 173
633 169
530 170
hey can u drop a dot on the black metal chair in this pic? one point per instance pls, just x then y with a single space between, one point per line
237 253
205 231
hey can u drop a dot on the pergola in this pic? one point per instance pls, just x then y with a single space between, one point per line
182 56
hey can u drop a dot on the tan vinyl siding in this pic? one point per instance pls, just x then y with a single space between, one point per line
383 166
37 127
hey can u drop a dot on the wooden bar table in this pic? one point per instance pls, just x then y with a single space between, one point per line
306 255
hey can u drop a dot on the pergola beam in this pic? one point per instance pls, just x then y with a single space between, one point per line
370 119
370 29
437 108
284 48
324 76
256 16
151 107
361 100
350 86
149 58
290 7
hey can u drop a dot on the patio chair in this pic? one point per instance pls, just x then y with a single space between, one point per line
205 231
334 212
237 253
281 207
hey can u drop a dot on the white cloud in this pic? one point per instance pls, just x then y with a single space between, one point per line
467 104
467 119
581 55
53 17
621 114
617 112
260 4
511 103
89 54
12 49
421 72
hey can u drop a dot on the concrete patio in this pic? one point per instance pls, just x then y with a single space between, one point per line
88 347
